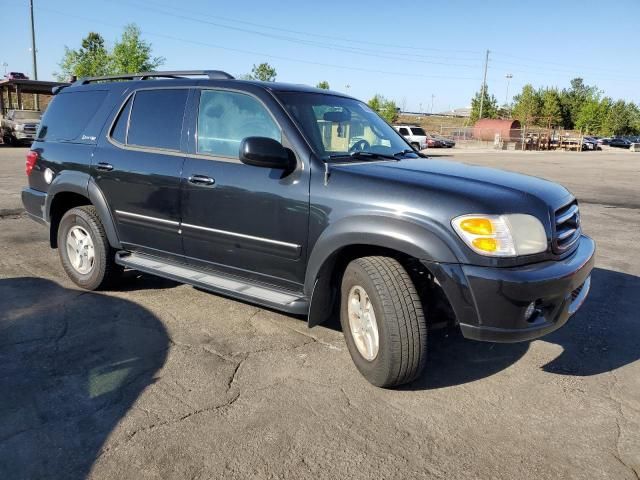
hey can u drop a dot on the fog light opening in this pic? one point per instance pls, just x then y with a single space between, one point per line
531 313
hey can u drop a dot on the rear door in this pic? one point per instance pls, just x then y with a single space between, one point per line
138 167
245 220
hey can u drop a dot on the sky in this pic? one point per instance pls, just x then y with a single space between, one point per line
424 55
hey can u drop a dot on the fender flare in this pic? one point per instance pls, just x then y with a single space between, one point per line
81 183
425 241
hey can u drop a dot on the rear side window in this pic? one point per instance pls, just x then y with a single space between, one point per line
418 131
69 113
156 118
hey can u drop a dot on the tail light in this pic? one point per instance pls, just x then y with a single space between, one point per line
32 158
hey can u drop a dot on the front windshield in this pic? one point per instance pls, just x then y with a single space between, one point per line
24 115
339 127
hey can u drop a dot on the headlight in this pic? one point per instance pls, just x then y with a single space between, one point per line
502 235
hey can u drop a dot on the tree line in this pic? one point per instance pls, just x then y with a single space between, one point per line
580 107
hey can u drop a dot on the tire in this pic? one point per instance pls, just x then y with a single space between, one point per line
102 270
398 316
416 146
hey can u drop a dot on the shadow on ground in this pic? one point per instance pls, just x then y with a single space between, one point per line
71 365
601 337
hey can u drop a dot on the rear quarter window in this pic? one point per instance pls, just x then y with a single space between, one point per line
69 114
156 118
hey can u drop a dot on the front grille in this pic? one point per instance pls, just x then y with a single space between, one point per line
566 227
30 128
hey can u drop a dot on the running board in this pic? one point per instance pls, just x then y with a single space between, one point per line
231 286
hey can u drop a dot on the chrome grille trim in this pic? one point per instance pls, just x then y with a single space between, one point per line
566 227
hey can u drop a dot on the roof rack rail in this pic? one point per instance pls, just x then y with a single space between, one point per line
211 74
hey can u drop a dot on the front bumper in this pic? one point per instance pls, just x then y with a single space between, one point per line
490 303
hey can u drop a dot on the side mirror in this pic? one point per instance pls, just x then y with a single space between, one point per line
265 152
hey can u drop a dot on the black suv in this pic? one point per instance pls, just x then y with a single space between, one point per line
305 201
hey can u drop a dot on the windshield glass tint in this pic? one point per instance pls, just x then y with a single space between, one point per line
418 131
339 126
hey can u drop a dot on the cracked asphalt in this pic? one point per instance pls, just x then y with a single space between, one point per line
161 380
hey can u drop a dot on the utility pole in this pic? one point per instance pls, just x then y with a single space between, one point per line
484 84
508 76
432 97
33 54
33 43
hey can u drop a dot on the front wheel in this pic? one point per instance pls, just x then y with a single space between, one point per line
383 321
84 249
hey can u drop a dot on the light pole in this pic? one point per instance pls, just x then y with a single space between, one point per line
508 76
432 97
5 65
347 87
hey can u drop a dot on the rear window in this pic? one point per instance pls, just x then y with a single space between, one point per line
68 115
156 118
418 131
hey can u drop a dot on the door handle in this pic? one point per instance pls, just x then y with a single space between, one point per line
201 180
104 167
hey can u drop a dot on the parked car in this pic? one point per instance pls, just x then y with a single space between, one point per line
446 142
416 136
255 191
619 142
20 126
16 76
590 144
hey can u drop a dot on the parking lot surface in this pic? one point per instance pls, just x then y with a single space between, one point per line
160 380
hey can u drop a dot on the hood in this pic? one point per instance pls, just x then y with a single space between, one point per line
474 189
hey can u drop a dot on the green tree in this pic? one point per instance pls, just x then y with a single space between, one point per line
132 54
592 115
527 105
551 110
573 99
489 105
264 72
621 119
323 85
91 59
387 109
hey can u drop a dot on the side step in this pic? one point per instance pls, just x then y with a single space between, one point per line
231 286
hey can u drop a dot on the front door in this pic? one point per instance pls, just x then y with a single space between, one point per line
138 167
245 220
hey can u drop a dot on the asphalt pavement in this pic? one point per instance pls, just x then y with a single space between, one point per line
161 380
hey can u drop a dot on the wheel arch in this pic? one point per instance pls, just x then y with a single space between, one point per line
357 237
73 189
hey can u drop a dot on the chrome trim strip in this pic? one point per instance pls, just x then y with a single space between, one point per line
566 234
242 235
145 217
567 215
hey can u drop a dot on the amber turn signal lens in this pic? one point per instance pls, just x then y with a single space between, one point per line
477 226
486 244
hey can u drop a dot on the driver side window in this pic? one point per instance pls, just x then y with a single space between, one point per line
226 118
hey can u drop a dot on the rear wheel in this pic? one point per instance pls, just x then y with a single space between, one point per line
383 321
84 250
416 146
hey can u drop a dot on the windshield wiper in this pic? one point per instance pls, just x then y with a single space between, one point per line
362 155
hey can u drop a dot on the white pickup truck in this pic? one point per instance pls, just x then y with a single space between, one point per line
20 126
